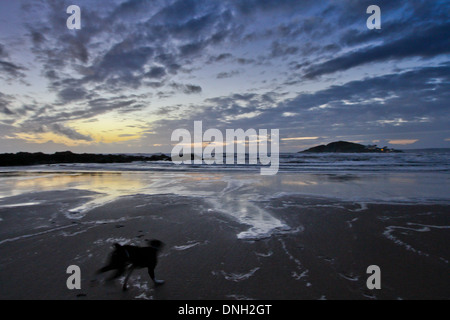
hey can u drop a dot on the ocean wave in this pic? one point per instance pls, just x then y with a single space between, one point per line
420 160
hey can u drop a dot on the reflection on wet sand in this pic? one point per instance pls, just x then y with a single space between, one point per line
369 187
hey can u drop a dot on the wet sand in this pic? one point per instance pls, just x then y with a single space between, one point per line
323 254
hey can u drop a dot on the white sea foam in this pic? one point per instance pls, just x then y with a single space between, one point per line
106 221
349 277
291 257
238 201
261 223
24 204
300 268
139 284
237 277
81 211
350 222
297 276
144 296
363 207
189 245
35 234
426 226
72 234
264 255
122 241
389 234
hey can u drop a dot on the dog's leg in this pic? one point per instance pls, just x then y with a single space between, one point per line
104 269
151 272
94 282
124 288
116 274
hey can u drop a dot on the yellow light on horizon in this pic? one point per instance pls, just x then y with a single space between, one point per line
109 129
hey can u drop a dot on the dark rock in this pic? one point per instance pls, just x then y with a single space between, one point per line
348 147
39 158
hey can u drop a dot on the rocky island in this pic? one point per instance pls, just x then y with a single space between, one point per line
348 147
28 159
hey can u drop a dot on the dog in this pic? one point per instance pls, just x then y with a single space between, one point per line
133 257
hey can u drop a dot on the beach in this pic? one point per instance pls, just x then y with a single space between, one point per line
280 150
227 235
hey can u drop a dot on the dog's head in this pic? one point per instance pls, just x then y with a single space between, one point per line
156 244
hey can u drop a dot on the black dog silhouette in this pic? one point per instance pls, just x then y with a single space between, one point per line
133 257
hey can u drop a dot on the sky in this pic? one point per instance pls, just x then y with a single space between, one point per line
139 69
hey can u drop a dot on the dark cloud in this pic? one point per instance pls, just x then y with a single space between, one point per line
189 88
4 104
191 49
11 70
156 73
415 97
169 61
245 61
68 132
121 104
251 7
178 11
219 58
194 28
138 39
92 106
186 88
72 94
280 50
37 38
5 110
131 8
3 53
76 47
119 63
392 103
224 75
421 43
165 111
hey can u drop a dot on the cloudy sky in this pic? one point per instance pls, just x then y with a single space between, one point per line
139 69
